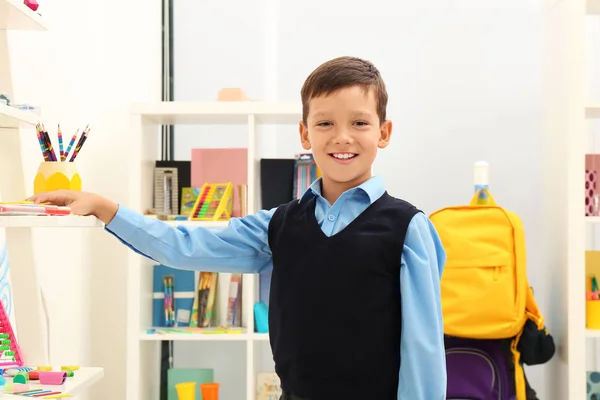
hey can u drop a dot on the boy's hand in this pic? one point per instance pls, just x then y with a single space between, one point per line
81 203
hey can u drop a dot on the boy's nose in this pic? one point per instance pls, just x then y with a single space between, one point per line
342 136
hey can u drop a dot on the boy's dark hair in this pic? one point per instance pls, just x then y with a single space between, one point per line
340 73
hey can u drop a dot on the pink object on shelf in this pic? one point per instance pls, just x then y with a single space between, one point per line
33 4
590 192
52 377
212 165
6 332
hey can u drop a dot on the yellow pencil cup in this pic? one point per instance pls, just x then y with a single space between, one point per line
56 175
592 314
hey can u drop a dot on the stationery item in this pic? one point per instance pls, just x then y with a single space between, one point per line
234 304
33 4
168 301
166 191
48 151
305 171
38 209
82 140
71 143
55 176
60 144
52 377
69 368
181 375
188 199
202 310
214 203
183 294
183 176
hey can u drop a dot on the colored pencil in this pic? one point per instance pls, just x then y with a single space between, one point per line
71 143
47 149
60 144
82 140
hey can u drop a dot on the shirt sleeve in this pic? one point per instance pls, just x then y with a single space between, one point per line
241 247
423 356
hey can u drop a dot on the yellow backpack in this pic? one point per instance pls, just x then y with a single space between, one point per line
484 287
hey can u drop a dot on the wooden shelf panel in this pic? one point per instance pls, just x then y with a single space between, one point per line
14 15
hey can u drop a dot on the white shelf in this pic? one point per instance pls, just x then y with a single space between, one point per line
82 379
203 337
11 117
71 221
14 15
196 337
260 337
592 220
225 112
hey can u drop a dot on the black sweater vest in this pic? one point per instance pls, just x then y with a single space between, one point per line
334 308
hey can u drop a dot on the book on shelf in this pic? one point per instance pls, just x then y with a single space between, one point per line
305 173
268 386
196 299
173 296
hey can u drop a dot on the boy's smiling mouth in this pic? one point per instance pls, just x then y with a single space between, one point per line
343 156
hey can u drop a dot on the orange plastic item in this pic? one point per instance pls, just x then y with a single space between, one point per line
210 391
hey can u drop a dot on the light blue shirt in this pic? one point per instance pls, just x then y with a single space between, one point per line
243 247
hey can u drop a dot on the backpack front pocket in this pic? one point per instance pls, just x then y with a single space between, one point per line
472 375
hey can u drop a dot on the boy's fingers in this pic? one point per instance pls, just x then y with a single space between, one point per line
47 197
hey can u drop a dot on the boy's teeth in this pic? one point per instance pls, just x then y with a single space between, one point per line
343 156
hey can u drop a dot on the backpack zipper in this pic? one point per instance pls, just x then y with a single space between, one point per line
483 355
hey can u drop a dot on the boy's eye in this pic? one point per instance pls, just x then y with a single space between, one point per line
324 124
361 123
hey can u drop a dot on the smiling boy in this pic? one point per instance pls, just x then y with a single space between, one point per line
355 309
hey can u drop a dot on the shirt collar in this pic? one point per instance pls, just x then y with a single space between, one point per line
372 188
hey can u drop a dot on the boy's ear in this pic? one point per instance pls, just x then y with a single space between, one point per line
304 136
385 134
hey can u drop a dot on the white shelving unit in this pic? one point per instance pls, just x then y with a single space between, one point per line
565 144
31 324
143 350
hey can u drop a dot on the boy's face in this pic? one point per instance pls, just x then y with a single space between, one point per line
344 133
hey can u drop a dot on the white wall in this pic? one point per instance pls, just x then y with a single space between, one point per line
464 78
96 58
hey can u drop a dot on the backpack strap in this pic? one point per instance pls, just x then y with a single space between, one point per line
532 310
520 387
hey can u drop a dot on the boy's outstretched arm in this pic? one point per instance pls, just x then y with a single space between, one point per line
423 358
241 247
